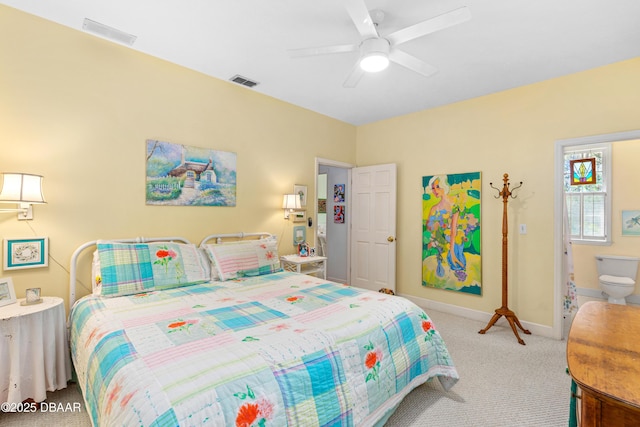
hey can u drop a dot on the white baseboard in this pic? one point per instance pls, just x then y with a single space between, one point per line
535 328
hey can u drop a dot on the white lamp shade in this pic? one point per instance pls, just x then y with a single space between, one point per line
291 201
21 188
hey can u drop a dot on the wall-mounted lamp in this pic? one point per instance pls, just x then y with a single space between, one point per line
24 189
290 203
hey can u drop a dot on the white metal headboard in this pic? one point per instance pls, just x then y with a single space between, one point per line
219 237
93 243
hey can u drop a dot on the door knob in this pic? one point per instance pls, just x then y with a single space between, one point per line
390 239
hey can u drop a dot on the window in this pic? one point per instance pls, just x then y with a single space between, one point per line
588 204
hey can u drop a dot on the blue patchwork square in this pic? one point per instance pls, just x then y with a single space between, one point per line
243 316
330 292
316 382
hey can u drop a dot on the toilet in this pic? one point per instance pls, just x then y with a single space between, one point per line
617 276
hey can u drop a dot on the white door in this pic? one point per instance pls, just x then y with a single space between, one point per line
373 227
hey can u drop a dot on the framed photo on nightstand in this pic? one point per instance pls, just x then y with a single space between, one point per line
7 293
29 252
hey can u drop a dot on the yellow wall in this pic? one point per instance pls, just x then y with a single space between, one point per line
78 110
510 132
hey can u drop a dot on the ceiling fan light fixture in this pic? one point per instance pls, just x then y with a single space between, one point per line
374 62
374 55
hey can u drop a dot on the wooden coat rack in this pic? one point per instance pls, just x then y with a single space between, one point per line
511 317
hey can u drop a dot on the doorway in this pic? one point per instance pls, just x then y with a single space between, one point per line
333 234
559 325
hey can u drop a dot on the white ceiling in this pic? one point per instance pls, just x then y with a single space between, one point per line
507 43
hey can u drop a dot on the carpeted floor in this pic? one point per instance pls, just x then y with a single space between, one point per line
502 384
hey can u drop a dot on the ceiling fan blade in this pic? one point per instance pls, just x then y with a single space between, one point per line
354 77
440 22
412 63
324 50
358 12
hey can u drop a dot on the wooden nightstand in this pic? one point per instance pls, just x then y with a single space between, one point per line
602 356
33 349
305 264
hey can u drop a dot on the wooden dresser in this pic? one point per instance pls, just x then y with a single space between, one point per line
603 355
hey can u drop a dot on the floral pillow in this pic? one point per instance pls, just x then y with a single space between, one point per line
176 264
243 259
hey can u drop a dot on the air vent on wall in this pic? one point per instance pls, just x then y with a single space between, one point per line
243 81
108 32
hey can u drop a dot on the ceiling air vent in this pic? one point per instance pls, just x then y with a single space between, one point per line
243 81
108 32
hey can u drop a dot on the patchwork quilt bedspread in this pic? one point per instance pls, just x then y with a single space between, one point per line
274 350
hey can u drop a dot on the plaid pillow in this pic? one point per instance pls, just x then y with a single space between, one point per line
243 259
125 268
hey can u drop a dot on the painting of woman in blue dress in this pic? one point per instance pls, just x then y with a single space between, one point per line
451 257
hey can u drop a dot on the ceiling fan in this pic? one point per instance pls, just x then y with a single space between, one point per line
375 50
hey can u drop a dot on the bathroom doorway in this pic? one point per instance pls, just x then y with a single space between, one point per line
583 254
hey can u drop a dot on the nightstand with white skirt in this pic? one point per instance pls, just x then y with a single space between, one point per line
34 351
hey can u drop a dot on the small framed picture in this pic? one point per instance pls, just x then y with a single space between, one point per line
631 223
338 193
31 252
32 296
7 293
322 205
299 234
301 190
338 214
299 216
303 249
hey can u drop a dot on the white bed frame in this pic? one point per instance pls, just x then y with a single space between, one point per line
235 236
92 244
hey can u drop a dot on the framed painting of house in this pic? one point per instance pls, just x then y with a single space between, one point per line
182 175
451 251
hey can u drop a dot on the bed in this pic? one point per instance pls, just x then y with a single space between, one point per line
217 334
